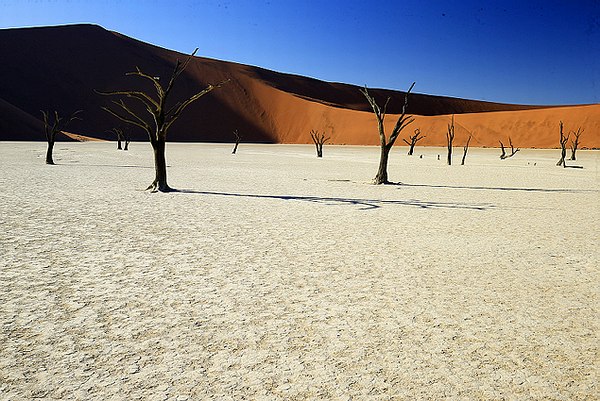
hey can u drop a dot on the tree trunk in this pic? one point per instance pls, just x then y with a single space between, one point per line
449 155
119 144
382 176
462 162
49 159
563 154
573 150
160 166
126 145
411 150
235 148
319 150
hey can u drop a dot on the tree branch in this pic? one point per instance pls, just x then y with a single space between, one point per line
175 111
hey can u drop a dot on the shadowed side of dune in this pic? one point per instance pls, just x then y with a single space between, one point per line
59 68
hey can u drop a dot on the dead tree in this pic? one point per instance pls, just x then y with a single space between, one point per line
513 151
450 139
563 146
160 115
119 133
386 144
575 143
465 149
238 138
53 124
318 139
413 141
127 139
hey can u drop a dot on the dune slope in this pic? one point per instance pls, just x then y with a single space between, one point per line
58 68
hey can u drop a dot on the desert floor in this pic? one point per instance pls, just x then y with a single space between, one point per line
277 275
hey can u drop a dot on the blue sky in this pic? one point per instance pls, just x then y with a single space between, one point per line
531 52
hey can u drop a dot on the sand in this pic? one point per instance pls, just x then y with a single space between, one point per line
73 61
277 275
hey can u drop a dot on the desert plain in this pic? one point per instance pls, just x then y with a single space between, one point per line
274 275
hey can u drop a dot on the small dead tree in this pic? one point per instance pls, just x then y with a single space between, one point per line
513 151
160 116
575 143
238 138
563 146
450 139
121 137
119 133
318 139
127 139
53 124
386 143
465 149
413 140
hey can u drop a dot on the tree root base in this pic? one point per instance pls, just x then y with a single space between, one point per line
155 187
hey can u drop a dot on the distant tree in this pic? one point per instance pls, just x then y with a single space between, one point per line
121 137
465 149
119 134
386 144
160 117
413 140
318 139
563 146
238 138
513 151
575 143
450 139
53 124
127 139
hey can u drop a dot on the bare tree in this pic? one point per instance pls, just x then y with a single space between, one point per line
127 139
160 117
413 140
575 143
513 151
318 139
563 145
238 138
450 139
121 137
119 134
53 124
386 144
465 149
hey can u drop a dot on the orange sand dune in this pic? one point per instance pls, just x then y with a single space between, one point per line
58 68
536 128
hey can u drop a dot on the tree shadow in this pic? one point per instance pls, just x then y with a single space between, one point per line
364 204
105 165
480 188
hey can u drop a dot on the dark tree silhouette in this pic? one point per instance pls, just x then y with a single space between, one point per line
127 140
575 143
318 139
413 141
121 137
119 134
465 149
53 124
513 151
238 138
450 139
386 144
563 146
160 116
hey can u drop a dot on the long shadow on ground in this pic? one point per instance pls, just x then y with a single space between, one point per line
557 190
365 204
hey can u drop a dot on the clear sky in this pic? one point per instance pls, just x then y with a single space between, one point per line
531 52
